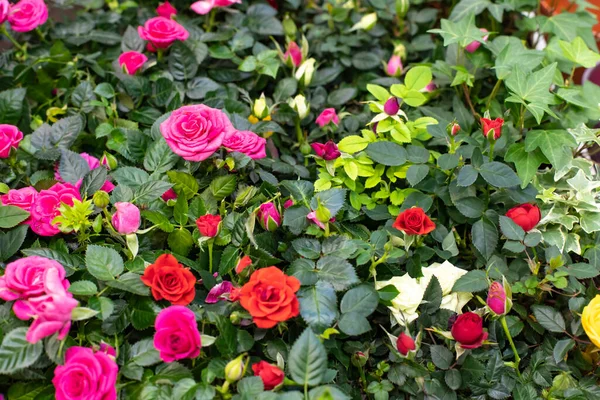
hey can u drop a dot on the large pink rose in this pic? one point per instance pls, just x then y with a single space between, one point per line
22 198
132 61
4 8
51 312
161 32
87 374
27 15
10 137
177 335
195 132
45 208
93 163
246 142
127 218
24 278
203 7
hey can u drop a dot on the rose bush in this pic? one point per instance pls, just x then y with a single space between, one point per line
299 200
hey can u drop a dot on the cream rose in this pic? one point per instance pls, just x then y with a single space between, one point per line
404 306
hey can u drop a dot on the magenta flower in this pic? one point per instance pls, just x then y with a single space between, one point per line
45 207
391 106
203 7
219 292
328 151
269 216
25 278
328 116
127 218
26 15
166 10
288 203
177 336
394 66
132 61
4 8
496 299
293 55
246 142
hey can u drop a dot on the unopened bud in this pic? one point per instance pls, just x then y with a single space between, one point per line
101 199
235 369
453 128
109 161
359 359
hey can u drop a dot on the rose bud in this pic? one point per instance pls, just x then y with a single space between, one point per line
109 161
132 61
300 105
394 66
101 199
127 218
328 151
359 359
288 203
169 195
492 126
328 116
414 221
453 129
526 216
242 264
208 225
270 374
468 331
166 10
293 55
305 72
496 299
405 344
429 88
391 106
474 45
259 108
269 216
235 369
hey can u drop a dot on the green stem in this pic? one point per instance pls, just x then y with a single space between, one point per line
493 94
211 20
512 344
210 256
10 37
492 145
299 134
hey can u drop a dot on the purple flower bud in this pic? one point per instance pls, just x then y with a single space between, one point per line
327 151
496 300
391 106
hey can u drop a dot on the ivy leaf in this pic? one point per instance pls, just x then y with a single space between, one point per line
578 52
462 32
556 145
307 360
527 163
532 89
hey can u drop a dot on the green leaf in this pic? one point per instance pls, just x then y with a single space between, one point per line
453 379
307 360
103 263
150 191
16 352
308 248
578 52
561 349
105 90
222 186
499 174
549 318
143 312
130 176
555 144
380 93
532 89
82 313
93 181
416 173
72 166
342 96
130 282
184 183
467 176
337 271
471 207
11 241
11 105
441 356
295 219
485 237
159 220
11 216
83 288
511 230
318 305
387 153
144 354
527 163
181 241
432 298
418 77
183 64
353 144
332 199
228 260
583 270
361 300
472 281
462 32
159 157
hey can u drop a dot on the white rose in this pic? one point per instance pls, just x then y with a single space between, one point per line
455 301
405 304
446 274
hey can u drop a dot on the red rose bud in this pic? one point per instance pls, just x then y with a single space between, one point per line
526 216
208 225
327 151
414 221
495 124
453 129
242 264
271 375
391 106
405 344
496 299
169 195
293 55
166 10
468 331
269 216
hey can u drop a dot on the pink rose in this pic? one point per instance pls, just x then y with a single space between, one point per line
132 61
127 218
45 207
328 116
10 136
51 312
394 66
4 8
22 198
166 10
27 15
161 32
246 142
177 335
195 132
24 278
220 291
86 374
268 216
293 55
327 151
474 45
204 6
93 163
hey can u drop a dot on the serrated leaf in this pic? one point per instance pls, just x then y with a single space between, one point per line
472 281
549 318
318 305
103 263
307 360
16 352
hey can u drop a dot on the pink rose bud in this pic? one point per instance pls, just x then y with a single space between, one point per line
429 88
496 299
161 32
327 151
127 218
4 7
166 10
288 203
132 61
454 129
219 292
269 216
391 106
328 116
394 66
10 137
293 55
169 195
203 7
26 15
474 45
405 344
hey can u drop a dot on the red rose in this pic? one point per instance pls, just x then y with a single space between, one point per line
208 225
414 221
468 331
405 344
271 375
526 216
169 280
495 124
